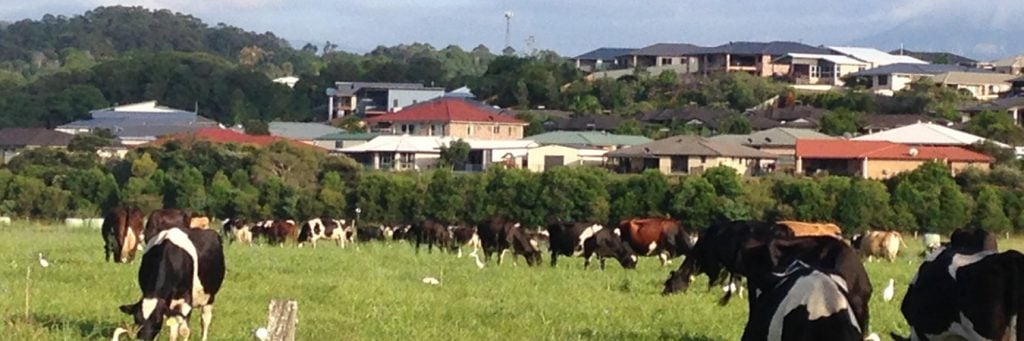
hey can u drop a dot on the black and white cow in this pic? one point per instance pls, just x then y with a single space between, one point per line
464 236
237 230
322 228
804 303
374 233
500 235
587 240
973 295
182 270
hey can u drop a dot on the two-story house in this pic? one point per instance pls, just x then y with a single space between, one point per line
756 58
450 117
662 54
368 99
600 59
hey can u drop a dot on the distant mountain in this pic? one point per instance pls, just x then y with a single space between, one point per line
977 42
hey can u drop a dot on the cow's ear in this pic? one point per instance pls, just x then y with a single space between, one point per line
128 308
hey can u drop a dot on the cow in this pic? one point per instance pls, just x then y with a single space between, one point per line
975 240
401 232
932 242
754 249
463 236
182 269
880 243
662 237
966 293
237 230
199 222
163 219
374 233
588 239
499 235
803 303
805 229
276 232
323 228
431 233
122 233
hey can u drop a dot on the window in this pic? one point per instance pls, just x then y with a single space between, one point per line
510 130
680 164
883 80
703 159
469 129
408 128
815 71
395 104
496 130
666 61
415 101
387 160
406 160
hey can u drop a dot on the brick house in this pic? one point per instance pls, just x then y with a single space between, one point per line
450 117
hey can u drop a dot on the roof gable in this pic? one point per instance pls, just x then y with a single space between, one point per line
447 109
924 134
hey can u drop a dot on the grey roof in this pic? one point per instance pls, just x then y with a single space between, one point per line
708 115
151 132
588 138
582 123
915 69
686 145
20 137
936 57
789 113
995 105
774 48
775 137
349 88
604 53
346 136
668 49
134 124
301 130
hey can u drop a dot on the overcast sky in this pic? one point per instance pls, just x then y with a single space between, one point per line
980 28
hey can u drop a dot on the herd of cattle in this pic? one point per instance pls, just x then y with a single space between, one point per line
805 281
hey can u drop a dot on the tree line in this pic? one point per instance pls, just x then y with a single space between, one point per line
284 181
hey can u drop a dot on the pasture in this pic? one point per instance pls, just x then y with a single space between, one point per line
374 292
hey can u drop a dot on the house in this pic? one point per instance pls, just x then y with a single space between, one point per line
1011 66
14 140
452 117
756 58
685 154
342 140
663 54
600 59
221 135
798 116
408 152
599 140
1013 106
304 132
880 159
584 123
779 141
819 69
982 85
889 79
938 57
926 134
139 123
367 99
874 57
691 115
878 123
288 81
554 155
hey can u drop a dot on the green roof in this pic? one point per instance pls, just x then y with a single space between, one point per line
343 136
301 130
588 138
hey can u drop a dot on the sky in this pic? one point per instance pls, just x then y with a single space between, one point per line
982 29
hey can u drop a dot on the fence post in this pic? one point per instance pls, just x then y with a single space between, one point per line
282 319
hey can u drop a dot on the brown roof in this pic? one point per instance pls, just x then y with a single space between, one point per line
20 137
690 146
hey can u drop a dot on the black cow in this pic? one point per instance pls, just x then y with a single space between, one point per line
181 269
588 239
431 233
975 296
373 233
803 303
972 240
402 232
718 254
464 236
499 234
167 218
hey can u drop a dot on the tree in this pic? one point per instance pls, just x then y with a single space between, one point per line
454 155
725 180
257 127
841 121
629 127
586 105
997 126
221 197
333 195
864 205
694 202
92 141
444 197
734 124
989 213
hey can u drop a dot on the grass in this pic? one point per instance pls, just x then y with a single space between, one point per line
374 291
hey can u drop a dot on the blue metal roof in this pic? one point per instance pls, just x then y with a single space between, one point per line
604 53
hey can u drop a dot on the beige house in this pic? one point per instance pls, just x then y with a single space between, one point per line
983 86
450 117
690 155
406 152
756 58
543 158
820 69
880 159
779 141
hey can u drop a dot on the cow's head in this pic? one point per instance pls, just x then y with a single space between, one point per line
149 316
679 280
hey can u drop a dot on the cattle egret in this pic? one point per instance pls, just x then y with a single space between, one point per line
431 281
43 262
476 257
117 333
873 337
261 334
889 291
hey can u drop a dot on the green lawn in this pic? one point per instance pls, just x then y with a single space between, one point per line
374 292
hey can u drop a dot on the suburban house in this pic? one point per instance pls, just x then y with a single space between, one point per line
928 134
690 115
938 57
584 123
878 123
880 159
779 141
452 117
874 57
983 86
1013 106
599 140
139 123
366 99
600 59
1011 66
889 79
407 152
797 116
14 140
221 135
662 54
819 69
686 154
304 132
554 155
344 139
756 58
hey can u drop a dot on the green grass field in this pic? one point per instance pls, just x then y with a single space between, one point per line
374 292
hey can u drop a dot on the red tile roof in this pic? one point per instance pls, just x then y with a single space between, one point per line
847 149
218 135
446 109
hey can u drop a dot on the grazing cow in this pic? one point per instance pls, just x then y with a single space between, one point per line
402 232
973 296
122 233
465 236
805 229
277 232
182 269
975 240
163 219
586 239
237 230
663 237
316 229
500 234
880 243
803 303
373 233
431 233
199 222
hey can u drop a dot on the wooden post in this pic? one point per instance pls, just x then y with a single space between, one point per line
282 319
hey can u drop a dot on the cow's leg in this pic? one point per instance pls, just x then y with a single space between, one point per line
664 258
501 256
554 258
207 318
459 255
183 329
601 260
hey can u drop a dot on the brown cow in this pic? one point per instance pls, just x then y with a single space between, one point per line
280 231
663 237
165 219
880 243
805 229
122 233
199 222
